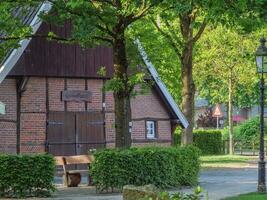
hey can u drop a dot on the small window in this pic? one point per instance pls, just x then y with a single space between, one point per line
150 129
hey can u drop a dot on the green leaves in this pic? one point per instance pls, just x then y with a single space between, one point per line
222 55
208 141
26 175
163 167
11 26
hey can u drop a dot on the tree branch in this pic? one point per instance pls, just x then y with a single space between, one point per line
168 37
200 31
6 38
104 39
180 43
72 12
142 12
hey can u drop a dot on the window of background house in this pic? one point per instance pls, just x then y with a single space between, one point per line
150 129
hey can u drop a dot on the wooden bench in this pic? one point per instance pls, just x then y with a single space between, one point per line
72 178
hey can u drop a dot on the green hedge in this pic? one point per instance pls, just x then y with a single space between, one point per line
163 167
26 175
208 141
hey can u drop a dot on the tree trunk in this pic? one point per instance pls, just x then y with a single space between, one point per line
121 94
230 116
188 93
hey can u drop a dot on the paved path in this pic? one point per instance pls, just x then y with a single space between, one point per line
219 183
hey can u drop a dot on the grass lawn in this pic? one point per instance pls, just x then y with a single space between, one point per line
227 160
250 196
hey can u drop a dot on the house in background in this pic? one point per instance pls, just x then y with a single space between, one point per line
55 102
239 115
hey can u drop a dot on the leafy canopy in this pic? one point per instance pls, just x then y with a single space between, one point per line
224 54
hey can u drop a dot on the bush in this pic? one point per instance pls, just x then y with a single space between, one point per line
208 141
249 130
225 132
26 175
163 167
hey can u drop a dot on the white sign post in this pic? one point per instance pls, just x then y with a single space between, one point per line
2 108
217 113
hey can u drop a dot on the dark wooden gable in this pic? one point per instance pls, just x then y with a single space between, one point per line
50 58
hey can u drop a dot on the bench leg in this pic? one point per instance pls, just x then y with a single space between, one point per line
74 179
90 180
65 180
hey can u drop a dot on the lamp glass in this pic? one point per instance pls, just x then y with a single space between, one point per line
261 62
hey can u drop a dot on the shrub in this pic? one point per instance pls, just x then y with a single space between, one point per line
26 175
249 130
236 132
163 167
208 141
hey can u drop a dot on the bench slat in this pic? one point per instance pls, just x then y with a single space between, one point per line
59 160
81 159
71 160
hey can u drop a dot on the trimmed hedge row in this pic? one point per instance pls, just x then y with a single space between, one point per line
208 141
163 167
26 175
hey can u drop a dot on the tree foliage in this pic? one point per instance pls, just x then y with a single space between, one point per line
11 26
223 54
181 24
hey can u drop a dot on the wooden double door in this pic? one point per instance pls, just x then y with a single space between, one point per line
74 133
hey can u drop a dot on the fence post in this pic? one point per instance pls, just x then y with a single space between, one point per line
253 148
241 148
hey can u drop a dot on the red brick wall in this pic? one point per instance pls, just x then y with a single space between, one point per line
34 112
33 100
32 132
149 106
33 116
55 86
95 86
144 107
8 137
8 127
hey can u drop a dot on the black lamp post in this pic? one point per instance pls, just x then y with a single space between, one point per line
261 61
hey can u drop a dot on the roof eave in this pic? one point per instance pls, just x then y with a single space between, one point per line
161 85
15 54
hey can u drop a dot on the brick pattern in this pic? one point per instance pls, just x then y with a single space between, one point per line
55 87
95 86
8 130
139 130
33 116
8 95
110 127
32 132
164 130
148 106
145 106
33 112
109 101
34 98
8 137
75 84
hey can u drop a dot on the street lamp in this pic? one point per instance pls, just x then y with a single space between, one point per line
261 62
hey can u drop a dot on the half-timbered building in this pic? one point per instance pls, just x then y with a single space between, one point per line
54 101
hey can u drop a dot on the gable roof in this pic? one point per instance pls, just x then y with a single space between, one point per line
34 22
161 85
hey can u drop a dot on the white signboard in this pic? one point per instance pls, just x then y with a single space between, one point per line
2 108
